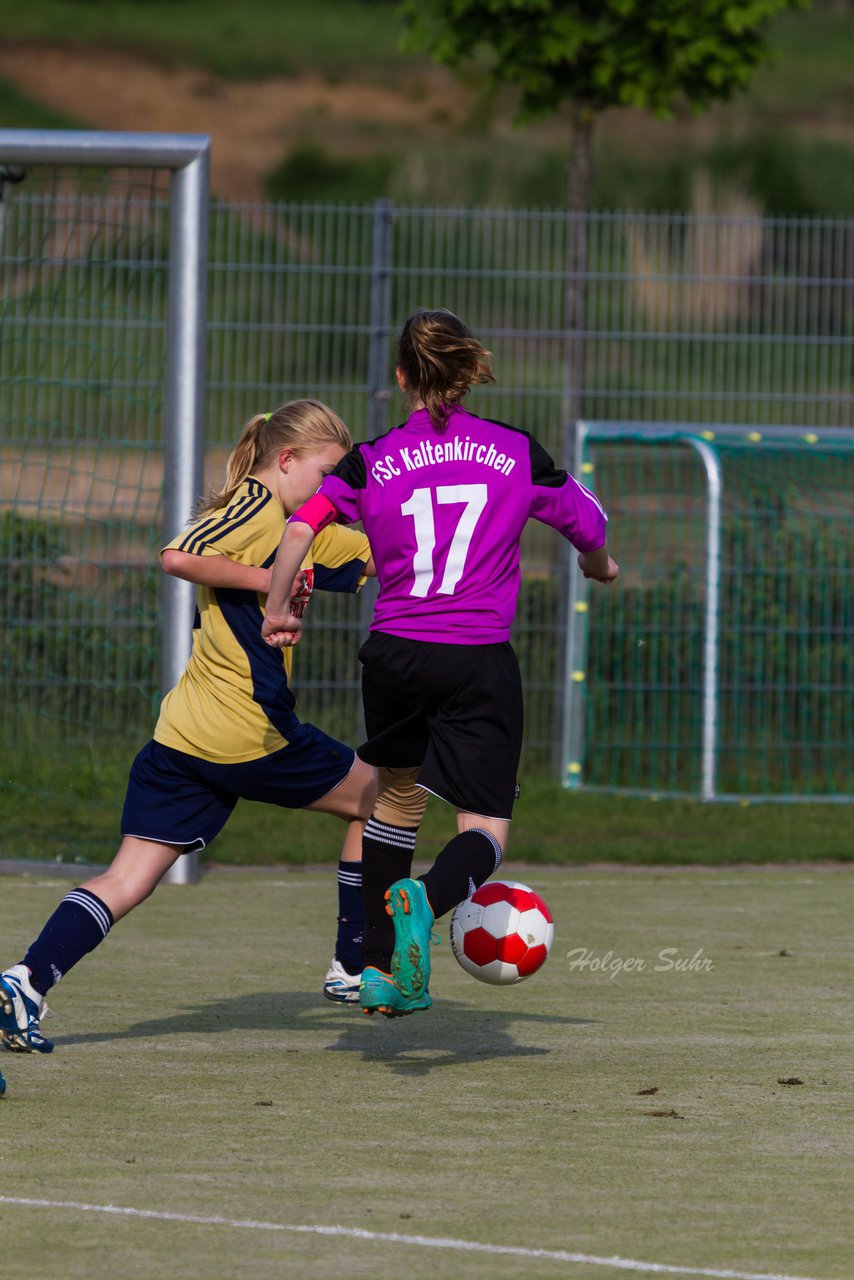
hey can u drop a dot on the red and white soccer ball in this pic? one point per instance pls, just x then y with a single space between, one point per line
502 933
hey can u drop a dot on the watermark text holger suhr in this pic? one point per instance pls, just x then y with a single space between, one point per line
667 960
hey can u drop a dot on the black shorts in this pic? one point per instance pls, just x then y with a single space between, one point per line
455 710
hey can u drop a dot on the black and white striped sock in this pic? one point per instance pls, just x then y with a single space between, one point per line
387 853
464 863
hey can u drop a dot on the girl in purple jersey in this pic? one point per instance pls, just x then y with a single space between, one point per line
443 499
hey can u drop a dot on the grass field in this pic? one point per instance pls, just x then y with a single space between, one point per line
651 1116
68 811
260 37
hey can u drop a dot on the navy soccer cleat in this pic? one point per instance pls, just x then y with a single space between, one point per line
21 1011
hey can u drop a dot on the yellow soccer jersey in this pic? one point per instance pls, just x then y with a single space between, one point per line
234 702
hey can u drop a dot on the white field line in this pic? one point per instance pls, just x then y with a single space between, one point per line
424 1242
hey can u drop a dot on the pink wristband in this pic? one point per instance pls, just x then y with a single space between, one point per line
317 513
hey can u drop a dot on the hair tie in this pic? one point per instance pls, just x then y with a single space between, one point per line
268 416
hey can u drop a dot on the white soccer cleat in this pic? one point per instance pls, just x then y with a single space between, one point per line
341 986
21 1011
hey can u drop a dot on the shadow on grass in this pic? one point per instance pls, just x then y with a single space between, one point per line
452 1033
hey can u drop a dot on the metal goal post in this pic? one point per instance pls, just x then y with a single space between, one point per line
32 272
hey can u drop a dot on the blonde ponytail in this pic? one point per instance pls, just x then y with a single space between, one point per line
299 425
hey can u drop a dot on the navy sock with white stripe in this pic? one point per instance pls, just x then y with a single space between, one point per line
387 853
77 926
351 917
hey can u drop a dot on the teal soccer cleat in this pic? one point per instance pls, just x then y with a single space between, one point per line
21 1011
378 994
406 903
2 1085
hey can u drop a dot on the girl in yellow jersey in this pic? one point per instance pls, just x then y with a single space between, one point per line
228 730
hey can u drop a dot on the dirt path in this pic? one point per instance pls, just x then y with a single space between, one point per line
97 495
91 484
252 125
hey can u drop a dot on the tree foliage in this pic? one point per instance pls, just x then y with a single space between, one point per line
651 54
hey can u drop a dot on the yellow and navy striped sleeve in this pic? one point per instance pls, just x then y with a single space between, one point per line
340 556
241 531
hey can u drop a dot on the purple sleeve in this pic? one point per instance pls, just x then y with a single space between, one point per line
557 499
344 499
345 487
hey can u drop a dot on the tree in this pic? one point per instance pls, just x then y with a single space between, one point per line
596 54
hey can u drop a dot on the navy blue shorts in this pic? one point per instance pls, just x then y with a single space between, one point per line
175 798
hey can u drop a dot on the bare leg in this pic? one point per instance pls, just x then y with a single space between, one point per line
354 797
498 827
134 874
351 849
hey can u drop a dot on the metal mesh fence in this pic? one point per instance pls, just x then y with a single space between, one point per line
83 279
693 320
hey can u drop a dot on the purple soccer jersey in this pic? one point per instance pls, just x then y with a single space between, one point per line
444 512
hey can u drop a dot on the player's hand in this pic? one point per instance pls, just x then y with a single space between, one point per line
281 631
599 574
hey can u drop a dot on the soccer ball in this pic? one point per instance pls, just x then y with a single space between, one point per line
502 933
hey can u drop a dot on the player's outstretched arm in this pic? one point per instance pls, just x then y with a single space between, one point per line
280 628
215 571
598 565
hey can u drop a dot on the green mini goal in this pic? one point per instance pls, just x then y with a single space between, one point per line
722 664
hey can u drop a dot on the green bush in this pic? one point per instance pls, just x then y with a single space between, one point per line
785 175
310 173
74 654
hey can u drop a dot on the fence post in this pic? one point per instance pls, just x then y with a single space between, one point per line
379 393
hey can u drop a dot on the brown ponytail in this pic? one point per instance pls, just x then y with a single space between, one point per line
440 358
